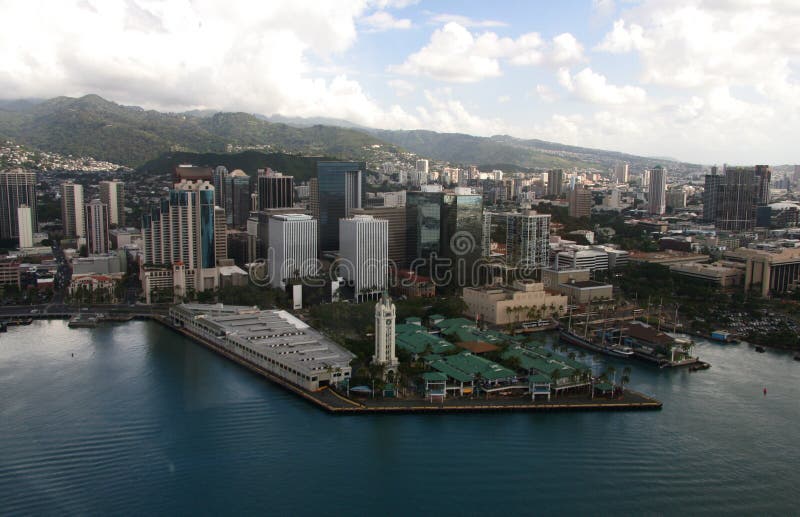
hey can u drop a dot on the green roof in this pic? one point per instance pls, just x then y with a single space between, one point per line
436 317
434 376
603 386
465 367
542 361
416 340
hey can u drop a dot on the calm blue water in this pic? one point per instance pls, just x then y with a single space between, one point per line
140 420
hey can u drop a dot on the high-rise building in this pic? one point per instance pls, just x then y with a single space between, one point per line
742 190
645 179
274 190
621 172
293 241
17 188
580 202
385 317
72 209
219 175
657 191
25 225
676 198
364 255
521 238
423 227
238 187
462 235
97 220
555 182
711 195
182 231
112 194
396 217
220 234
342 188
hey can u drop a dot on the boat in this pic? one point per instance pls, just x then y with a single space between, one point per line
622 352
760 349
700 365
724 337
83 321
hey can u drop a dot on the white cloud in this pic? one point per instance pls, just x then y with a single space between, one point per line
383 21
603 8
623 39
545 93
502 99
454 54
594 88
402 87
464 21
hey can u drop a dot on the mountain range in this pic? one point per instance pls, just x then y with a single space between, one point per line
132 136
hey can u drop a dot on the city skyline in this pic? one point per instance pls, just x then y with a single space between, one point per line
649 78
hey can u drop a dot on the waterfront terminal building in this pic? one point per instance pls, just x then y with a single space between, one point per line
272 340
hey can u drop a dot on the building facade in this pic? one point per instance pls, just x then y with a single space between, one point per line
555 182
657 191
25 224
97 221
580 202
112 194
17 188
524 236
72 217
364 255
341 189
238 187
274 190
293 242
385 317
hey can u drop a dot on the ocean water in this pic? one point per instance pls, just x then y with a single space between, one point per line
135 419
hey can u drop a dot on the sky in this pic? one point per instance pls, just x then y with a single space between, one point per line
706 81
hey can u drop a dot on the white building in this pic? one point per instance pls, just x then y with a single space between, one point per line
293 244
364 254
72 209
385 334
526 235
582 259
657 191
97 227
25 223
112 194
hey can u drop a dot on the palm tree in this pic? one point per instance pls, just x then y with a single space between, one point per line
626 376
613 372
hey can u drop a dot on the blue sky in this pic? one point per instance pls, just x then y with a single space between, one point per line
709 81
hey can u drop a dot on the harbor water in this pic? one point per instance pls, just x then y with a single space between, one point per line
133 418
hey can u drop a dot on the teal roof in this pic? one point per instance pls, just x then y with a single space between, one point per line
416 340
413 318
434 376
436 317
465 367
541 361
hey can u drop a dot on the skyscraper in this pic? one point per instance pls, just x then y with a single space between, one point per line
462 234
274 190
25 223
621 172
341 187
423 227
97 217
657 191
396 217
523 238
422 172
17 188
580 202
219 175
555 182
238 187
740 193
112 194
293 240
711 195
72 209
183 230
364 255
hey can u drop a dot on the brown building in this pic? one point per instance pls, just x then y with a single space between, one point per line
192 173
580 202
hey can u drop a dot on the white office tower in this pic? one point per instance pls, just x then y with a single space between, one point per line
646 179
112 194
364 254
97 227
657 191
621 172
72 209
25 222
293 247
385 334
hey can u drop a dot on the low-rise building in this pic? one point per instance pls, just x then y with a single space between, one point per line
9 271
770 272
95 287
272 340
666 257
721 274
586 291
524 301
552 278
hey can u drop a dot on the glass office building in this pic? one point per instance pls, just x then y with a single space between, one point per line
341 188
